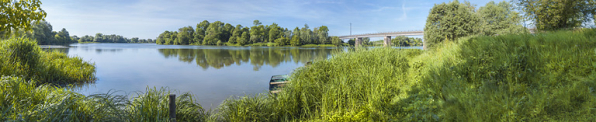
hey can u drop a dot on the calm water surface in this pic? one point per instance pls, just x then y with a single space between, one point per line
211 73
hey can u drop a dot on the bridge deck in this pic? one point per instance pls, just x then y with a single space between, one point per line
401 33
383 34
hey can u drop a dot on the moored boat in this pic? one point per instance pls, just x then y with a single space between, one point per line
277 82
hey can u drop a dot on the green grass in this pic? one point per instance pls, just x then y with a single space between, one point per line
527 77
23 100
21 57
31 89
541 77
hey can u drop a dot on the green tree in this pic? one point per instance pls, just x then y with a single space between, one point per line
336 41
295 41
134 40
305 35
86 38
449 21
185 36
62 37
274 32
281 41
255 32
244 39
498 19
98 37
323 34
42 33
199 34
227 32
557 14
352 42
214 33
366 41
236 34
296 34
74 38
19 14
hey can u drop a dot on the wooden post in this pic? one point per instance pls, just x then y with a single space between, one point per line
173 107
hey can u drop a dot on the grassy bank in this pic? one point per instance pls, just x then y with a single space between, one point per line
541 77
23 100
22 57
30 90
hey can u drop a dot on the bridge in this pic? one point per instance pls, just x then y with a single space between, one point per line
387 35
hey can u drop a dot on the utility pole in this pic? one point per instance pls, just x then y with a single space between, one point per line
350 28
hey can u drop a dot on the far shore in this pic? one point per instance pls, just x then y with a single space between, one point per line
53 46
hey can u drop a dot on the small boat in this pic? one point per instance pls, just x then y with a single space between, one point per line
277 82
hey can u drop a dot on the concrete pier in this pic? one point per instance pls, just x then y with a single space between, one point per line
387 41
358 41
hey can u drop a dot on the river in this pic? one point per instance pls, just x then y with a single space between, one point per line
211 73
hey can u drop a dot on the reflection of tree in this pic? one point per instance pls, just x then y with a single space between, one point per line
256 56
61 50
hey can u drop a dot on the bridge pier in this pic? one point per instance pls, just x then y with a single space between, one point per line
387 41
358 41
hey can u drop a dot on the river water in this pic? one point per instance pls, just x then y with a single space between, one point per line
211 73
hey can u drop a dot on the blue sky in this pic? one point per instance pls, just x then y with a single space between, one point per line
149 18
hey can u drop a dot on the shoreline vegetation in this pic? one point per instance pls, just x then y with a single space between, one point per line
484 67
219 33
531 77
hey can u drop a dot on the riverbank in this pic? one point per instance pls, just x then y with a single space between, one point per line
36 85
527 77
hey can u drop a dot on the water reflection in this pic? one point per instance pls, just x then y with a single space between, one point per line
61 50
212 73
256 56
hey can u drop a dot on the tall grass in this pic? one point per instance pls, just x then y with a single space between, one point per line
539 77
29 91
23 100
527 77
21 57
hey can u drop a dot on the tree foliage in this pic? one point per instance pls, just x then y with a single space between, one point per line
219 33
406 41
19 14
448 21
557 14
498 19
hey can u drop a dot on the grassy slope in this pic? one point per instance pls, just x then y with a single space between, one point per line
547 76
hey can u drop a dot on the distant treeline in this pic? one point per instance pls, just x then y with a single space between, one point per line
397 41
219 33
42 33
100 38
